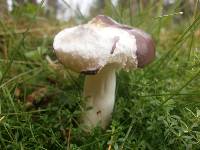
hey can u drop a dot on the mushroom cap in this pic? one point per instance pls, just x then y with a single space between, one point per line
102 41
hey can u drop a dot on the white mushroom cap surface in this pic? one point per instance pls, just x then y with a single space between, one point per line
88 48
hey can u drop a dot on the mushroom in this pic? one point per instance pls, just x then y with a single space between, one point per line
98 49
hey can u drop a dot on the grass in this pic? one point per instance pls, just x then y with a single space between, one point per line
157 107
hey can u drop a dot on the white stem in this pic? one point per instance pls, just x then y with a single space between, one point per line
99 91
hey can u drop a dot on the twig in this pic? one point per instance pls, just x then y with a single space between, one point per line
68 139
2 118
127 134
22 31
20 62
168 15
26 112
170 94
52 63
109 147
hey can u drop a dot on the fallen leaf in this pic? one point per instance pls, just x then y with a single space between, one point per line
36 97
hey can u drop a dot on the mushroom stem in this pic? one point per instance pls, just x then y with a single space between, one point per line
99 91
